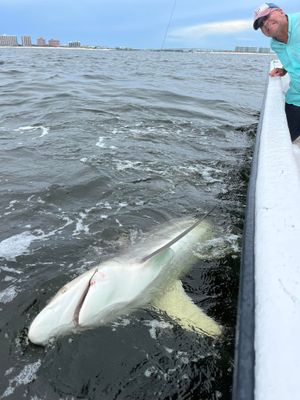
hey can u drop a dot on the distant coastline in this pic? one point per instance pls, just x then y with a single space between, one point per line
58 47
95 48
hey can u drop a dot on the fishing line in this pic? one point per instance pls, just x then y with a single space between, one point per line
181 235
139 65
168 26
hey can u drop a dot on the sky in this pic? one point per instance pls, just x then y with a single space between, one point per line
202 24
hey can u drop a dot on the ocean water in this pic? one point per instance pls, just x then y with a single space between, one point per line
98 149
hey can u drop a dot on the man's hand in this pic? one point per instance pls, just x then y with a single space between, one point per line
277 72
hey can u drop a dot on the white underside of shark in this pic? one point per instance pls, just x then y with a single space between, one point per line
122 285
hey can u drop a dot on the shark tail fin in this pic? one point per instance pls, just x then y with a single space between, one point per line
181 308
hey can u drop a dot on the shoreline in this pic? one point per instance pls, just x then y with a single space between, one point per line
56 48
129 49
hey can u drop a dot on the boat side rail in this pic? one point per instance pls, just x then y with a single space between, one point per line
268 322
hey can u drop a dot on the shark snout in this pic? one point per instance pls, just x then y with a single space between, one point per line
61 315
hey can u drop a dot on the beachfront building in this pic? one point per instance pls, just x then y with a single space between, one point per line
246 49
240 49
264 50
8 40
53 43
26 40
41 41
74 44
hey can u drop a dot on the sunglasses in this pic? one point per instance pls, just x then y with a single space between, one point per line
264 19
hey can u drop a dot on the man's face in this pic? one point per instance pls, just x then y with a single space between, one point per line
273 23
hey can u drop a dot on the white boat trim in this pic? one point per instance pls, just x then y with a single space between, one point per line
277 255
269 325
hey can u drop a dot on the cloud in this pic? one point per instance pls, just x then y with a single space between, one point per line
213 28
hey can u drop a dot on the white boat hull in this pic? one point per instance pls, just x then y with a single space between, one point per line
268 332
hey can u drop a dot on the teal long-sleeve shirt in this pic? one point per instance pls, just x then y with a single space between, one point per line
289 56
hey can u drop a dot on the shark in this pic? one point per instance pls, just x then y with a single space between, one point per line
123 284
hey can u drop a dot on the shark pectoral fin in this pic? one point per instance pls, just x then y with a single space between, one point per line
180 307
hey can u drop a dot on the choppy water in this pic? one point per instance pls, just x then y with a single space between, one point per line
97 149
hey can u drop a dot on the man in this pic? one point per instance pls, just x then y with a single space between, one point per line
285 33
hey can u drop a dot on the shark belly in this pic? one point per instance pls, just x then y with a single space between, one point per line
120 286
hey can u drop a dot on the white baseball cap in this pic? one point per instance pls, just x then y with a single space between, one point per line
263 11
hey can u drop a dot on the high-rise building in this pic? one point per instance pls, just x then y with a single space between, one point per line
26 40
74 44
241 49
8 40
41 41
264 50
53 42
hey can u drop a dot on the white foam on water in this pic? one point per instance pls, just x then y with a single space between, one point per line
45 131
7 295
118 222
123 204
102 145
180 359
68 221
9 269
11 207
9 371
26 376
120 322
11 204
207 173
156 325
80 226
9 278
100 142
16 245
168 350
105 205
39 199
183 360
23 129
127 164
218 247
150 371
